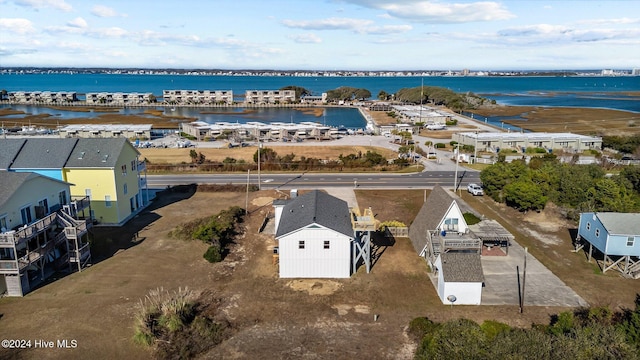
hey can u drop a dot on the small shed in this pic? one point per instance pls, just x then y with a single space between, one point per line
460 278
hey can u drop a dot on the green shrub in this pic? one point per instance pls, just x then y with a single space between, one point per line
142 337
421 326
439 145
493 328
470 218
213 254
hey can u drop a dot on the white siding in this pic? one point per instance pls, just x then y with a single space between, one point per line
469 293
454 213
314 261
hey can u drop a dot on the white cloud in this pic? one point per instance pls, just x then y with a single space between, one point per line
39 4
306 39
17 26
440 12
328 24
105 11
78 22
388 29
359 26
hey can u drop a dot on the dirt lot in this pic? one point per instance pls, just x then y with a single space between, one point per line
274 318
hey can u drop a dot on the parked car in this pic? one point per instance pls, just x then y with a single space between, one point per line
475 189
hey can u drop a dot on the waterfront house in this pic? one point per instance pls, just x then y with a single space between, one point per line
616 239
41 231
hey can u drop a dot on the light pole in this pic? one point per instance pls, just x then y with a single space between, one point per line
475 150
246 201
259 147
455 180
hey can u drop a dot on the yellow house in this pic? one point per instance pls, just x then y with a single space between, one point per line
107 170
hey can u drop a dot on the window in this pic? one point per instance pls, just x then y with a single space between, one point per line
125 189
597 232
124 169
327 244
45 205
62 197
451 224
3 224
588 226
133 165
107 200
301 244
25 212
630 241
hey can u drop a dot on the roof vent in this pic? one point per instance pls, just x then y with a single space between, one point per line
81 155
104 159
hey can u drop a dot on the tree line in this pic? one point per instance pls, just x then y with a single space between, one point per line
418 95
575 188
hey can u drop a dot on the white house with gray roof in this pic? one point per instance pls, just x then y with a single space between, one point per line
616 236
316 237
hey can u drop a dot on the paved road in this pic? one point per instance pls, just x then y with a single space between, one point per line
421 180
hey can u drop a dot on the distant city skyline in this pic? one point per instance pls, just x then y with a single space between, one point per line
329 35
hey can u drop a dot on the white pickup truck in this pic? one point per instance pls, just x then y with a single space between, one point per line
475 189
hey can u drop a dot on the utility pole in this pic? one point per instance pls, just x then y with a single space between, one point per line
259 147
246 201
524 278
456 152
475 149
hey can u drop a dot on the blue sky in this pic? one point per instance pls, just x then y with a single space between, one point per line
322 35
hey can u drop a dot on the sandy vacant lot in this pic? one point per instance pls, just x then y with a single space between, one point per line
324 152
271 317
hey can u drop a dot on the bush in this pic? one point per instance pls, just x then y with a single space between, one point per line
470 218
213 254
439 145
421 326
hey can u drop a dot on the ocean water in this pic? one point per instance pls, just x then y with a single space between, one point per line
573 91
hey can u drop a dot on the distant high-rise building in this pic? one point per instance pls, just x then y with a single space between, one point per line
635 72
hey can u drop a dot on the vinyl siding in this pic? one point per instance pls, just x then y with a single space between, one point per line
30 193
314 261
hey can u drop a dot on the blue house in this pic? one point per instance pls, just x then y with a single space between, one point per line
44 156
616 236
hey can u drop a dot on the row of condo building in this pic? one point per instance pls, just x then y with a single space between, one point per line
276 131
494 141
172 97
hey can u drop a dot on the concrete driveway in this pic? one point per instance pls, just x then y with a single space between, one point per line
542 287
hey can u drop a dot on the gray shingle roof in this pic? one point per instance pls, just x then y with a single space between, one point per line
44 153
429 216
315 207
103 152
9 149
461 267
620 223
11 181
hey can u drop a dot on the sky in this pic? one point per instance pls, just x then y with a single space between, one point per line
322 34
